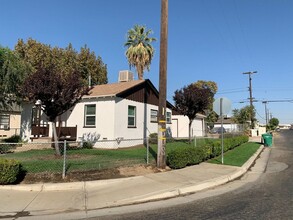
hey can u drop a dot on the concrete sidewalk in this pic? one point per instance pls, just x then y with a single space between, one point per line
51 199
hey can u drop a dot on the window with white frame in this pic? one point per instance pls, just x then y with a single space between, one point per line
131 116
154 115
168 117
90 115
4 122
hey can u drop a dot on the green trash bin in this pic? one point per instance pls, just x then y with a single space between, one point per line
268 139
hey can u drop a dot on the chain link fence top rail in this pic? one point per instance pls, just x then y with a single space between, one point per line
83 156
77 156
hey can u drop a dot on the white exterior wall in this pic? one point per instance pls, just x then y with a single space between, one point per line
228 127
197 128
180 126
25 126
144 126
26 117
111 121
104 118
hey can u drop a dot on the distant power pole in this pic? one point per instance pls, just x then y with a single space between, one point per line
161 157
266 111
250 97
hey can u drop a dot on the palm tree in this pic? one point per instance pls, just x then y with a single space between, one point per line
140 51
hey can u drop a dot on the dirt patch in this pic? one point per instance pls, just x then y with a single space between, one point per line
120 172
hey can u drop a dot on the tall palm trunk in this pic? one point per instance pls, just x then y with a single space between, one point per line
140 72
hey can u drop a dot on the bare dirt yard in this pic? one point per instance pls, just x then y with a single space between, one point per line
120 172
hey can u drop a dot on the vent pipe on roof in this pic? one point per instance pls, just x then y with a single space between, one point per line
90 80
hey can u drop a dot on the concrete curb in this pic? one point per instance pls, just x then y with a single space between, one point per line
164 195
205 185
223 179
64 186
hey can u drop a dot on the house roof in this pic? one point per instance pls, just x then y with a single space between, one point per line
112 89
124 89
225 121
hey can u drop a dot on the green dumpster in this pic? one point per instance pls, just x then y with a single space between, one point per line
268 139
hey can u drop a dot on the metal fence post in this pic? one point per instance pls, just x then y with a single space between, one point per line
64 160
148 148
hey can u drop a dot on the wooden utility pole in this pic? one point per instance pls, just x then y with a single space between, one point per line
266 111
251 98
161 156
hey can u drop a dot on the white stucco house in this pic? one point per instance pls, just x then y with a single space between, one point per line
117 111
229 125
180 126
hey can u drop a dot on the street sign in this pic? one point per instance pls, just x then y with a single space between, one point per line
226 106
222 106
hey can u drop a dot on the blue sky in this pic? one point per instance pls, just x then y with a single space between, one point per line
214 40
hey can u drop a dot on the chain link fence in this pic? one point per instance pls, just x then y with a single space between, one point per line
38 157
89 158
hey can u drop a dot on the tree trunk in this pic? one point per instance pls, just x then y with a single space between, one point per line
140 73
57 150
189 130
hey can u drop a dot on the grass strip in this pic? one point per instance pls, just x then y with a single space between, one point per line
42 160
238 156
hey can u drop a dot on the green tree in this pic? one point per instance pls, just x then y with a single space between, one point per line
243 115
59 77
139 51
57 92
65 60
12 72
191 100
90 65
212 116
273 124
211 85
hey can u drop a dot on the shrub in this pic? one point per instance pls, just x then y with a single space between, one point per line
195 155
13 139
5 148
182 157
216 148
87 145
9 171
153 138
178 158
189 155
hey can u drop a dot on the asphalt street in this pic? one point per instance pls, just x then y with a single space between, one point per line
268 196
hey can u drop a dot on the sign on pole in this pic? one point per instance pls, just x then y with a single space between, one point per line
226 106
222 106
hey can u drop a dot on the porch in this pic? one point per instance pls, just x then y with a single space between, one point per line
41 132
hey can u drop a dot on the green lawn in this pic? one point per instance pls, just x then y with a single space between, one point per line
35 161
44 160
238 156
83 159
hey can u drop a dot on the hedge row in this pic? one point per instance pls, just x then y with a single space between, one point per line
190 155
10 170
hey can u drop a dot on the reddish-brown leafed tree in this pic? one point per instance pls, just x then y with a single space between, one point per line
58 92
191 100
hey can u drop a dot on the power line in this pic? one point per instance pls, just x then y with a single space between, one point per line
236 91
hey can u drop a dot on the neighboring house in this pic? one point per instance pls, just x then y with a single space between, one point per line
229 125
118 111
180 126
10 121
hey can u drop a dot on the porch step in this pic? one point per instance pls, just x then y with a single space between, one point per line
41 139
